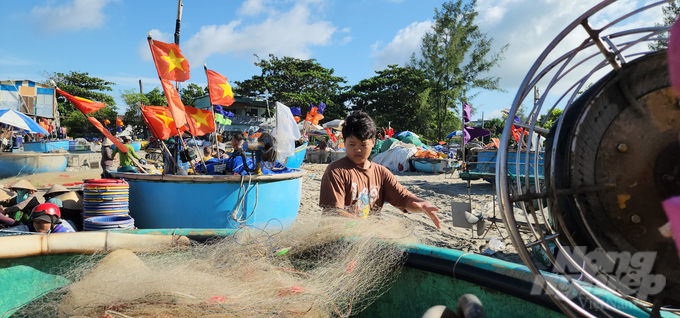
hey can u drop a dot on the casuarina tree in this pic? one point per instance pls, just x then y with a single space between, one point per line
456 58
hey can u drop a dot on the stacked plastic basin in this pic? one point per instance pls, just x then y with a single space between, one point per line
106 205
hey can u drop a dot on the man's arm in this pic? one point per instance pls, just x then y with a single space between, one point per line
397 195
134 154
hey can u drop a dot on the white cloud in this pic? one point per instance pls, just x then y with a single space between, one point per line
345 40
405 43
494 114
346 30
529 26
290 33
143 49
72 16
254 7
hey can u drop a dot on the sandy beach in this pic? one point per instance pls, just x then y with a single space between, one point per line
440 189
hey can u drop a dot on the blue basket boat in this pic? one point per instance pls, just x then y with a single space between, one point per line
295 161
104 223
17 164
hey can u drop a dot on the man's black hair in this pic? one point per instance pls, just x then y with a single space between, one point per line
359 125
238 136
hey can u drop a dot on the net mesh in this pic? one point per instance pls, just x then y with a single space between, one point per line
321 267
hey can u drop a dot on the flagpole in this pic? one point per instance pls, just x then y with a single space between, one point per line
212 107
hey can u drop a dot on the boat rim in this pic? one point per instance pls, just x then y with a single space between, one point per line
208 178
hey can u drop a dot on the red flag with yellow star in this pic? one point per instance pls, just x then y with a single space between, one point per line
220 90
84 105
170 62
108 135
174 103
160 121
201 121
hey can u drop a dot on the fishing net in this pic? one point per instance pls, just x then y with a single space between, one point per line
322 267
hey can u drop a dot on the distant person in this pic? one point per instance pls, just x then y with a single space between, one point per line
126 163
45 218
107 158
355 187
19 207
237 141
207 154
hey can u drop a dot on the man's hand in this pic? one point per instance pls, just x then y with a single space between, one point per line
427 208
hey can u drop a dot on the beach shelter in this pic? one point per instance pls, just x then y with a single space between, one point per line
21 121
405 133
457 133
335 124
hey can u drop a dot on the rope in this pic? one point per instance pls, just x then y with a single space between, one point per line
47 238
106 242
456 264
241 199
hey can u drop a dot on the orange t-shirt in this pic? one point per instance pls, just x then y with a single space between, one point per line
361 191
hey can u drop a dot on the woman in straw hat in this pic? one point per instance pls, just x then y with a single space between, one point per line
19 208
54 191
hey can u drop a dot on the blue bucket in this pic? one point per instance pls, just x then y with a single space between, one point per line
103 223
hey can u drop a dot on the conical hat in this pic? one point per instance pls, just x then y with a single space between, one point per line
107 142
57 188
71 200
23 184
5 195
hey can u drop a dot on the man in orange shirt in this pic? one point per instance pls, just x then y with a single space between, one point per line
354 186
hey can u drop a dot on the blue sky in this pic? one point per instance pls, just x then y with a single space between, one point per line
107 38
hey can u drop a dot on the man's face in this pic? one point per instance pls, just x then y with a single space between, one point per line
358 151
234 143
41 226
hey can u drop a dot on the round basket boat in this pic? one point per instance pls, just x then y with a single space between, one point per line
208 202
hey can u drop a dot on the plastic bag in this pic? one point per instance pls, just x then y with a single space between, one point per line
286 132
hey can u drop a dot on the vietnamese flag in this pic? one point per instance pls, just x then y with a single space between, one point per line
119 122
84 105
160 121
106 133
201 121
175 104
106 121
220 90
170 63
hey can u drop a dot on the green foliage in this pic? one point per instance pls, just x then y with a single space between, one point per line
496 126
395 95
670 14
133 115
297 83
80 85
155 98
191 92
454 56
552 118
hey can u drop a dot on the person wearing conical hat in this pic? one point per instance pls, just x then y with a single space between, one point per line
54 191
107 158
19 208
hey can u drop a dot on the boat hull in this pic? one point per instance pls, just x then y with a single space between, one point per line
295 161
431 276
208 202
48 146
25 163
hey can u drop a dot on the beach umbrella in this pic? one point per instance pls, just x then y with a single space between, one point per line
334 124
404 133
19 120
